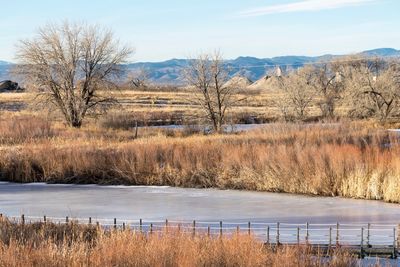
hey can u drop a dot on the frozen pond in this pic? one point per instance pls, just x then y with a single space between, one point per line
159 203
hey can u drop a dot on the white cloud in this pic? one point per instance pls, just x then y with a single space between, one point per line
304 5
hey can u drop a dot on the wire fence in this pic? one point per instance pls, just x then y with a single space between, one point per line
330 234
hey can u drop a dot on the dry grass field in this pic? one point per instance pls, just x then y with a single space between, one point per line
73 245
162 108
350 159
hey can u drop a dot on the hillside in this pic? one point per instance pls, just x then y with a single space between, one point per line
169 72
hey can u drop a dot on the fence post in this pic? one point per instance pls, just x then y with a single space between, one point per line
44 219
23 219
337 234
267 234
277 234
362 243
208 231
330 239
307 232
151 228
123 226
194 228
298 236
179 227
220 228
140 225
368 233
398 236
237 230
166 225
115 223
66 220
394 244
249 227
136 129
90 220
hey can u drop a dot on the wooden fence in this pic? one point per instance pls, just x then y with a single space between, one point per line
365 238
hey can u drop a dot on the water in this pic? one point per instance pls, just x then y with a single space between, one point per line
159 203
227 128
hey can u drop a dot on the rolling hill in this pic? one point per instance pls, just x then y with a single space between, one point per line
169 72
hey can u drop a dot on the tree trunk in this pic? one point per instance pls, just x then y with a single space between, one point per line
76 123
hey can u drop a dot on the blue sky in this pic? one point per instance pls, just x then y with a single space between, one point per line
161 30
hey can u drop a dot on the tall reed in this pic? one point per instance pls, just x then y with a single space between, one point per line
73 245
320 159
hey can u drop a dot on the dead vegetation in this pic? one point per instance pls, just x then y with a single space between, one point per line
73 245
320 159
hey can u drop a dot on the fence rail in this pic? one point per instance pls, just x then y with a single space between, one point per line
373 237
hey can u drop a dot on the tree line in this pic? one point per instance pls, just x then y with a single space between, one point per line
367 87
74 65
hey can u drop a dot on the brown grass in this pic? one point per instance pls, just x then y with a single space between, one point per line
73 245
331 160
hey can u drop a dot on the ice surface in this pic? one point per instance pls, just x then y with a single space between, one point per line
158 203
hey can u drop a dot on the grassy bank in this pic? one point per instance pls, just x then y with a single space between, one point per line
321 159
73 245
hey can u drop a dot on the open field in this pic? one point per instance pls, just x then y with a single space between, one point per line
74 245
164 107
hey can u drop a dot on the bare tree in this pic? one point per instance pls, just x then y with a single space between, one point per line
71 63
375 88
297 92
207 75
329 86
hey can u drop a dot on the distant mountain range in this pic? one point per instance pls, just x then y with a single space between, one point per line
169 72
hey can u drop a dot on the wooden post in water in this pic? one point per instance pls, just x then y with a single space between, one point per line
208 231
249 228
90 220
123 226
362 244
220 228
267 234
115 223
166 225
23 219
194 228
237 230
368 233
151 228
277 233
140 225
44 219
66 220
